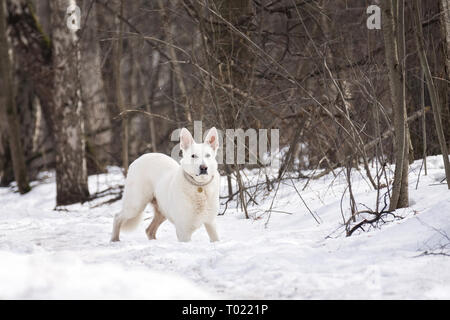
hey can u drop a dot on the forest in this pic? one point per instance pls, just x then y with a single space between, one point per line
357 89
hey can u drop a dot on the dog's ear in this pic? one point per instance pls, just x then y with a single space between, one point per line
186 139
212 138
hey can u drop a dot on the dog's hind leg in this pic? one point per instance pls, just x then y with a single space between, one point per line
158 219
116 228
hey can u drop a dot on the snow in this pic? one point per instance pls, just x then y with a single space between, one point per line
66 254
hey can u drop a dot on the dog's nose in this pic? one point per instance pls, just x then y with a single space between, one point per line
203 169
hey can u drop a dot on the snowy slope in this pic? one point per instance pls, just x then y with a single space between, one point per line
67 254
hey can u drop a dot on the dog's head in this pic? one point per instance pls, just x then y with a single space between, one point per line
199 159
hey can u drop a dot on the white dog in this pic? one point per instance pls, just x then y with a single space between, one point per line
186 194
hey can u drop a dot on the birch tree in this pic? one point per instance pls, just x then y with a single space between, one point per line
71 171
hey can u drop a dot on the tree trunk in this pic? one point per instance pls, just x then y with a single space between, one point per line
168 31
445 73
9 108
394 60
71 171
148 94
228 54
92 92
118 91
445 25
109 22
424 125
435 103
33 57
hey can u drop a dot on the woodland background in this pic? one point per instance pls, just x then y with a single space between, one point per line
343 96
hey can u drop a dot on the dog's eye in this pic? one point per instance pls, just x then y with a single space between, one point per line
194 156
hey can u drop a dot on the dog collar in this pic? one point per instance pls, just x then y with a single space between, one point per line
191 180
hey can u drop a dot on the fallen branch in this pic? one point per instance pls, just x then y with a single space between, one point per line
374 222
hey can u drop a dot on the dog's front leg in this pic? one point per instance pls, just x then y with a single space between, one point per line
183 234
212 232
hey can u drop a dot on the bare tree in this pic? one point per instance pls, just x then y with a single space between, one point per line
71 171
92 91
445 25
394 43
118 48
168 31
8 108
435 103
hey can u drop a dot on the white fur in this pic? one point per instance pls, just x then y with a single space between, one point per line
158 179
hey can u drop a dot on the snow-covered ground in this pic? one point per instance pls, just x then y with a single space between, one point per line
67 254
